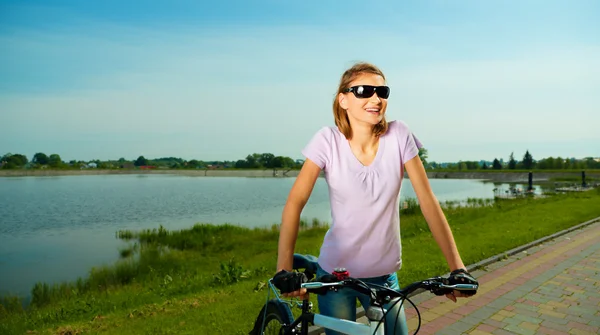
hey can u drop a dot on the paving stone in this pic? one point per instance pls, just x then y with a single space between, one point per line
553 289
529 319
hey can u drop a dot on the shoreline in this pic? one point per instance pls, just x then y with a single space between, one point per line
282 173
516 177
196 173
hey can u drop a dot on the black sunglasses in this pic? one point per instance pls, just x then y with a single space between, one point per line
367 91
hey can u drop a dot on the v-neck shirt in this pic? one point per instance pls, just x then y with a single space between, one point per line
364 235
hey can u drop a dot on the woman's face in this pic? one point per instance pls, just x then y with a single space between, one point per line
367 110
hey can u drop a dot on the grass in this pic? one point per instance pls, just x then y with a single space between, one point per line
211 279
505 170
575 179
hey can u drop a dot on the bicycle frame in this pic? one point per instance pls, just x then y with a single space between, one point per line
374 314
375 327
349 327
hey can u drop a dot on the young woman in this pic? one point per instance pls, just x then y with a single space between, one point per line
363 158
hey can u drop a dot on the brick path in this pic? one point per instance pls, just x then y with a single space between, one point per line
552 288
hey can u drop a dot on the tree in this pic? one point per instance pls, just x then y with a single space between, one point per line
54 160
527 160
141 161
288 162
423 154
277 162
485 167
541 164
252 161
550 162
6 157
283 162
568 163
17 160
591 163
496 165
241 164
266 160
512 163
193 163
471 165
11 161
558 163
40 158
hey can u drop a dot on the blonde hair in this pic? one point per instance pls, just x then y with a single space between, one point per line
341 115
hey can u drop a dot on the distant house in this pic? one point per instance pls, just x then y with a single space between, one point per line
214 167
127 166
90 165
147 167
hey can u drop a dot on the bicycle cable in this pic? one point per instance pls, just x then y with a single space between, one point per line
400 298
262 327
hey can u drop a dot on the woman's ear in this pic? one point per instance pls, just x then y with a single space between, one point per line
342 101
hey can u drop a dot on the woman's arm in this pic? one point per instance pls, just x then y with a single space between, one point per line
433 213
435 217
290 219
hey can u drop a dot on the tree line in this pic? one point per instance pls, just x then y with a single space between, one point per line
54 161
271 161
526 163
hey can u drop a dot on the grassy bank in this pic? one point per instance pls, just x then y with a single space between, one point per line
518 170
210 279
181 172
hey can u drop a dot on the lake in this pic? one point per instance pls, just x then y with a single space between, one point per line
56 228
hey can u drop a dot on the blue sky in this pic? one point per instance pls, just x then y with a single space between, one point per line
206 80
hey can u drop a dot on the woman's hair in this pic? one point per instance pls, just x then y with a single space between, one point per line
341 115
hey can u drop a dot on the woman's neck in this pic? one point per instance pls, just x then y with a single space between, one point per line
364 139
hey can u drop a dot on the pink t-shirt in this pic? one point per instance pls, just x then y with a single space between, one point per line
364 235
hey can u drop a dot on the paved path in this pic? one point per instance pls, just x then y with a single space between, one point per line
552 288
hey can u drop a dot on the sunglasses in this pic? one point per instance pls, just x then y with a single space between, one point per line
367 91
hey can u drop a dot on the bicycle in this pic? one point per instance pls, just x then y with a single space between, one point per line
278 310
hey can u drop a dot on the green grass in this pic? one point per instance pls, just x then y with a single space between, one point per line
210 279
576 179
505 170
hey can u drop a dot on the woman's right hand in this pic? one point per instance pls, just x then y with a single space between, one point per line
289 283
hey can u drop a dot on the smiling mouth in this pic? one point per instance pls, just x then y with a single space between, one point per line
375 111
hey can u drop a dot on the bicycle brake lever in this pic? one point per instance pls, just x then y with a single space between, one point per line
315 285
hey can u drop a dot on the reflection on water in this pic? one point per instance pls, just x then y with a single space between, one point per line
56 228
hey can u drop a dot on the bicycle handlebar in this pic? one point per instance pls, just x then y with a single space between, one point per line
380 295
436 285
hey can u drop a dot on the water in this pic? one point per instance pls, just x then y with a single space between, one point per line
54 229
